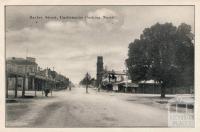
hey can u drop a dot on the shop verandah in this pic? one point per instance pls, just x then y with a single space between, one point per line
28 82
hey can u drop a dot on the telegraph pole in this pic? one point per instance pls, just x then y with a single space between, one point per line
52 87
70 87
25 77
126 67
87 82
6 84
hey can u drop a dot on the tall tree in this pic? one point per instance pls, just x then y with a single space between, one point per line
185 54
86 80
157 55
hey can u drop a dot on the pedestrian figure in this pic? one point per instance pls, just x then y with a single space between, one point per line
70 87
46 91
99 87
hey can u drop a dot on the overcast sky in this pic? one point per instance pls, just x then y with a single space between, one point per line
72 45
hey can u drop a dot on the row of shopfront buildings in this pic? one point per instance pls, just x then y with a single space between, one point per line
119 81
25 74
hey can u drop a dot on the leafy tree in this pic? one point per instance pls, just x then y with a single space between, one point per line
163 53
86 80
185 54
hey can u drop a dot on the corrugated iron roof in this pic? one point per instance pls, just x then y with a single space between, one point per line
148 81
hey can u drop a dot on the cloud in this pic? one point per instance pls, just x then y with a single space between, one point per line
146 17
98 20
54 25
67 27
71 46
108 19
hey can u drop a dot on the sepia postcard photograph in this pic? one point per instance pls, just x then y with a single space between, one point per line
99 66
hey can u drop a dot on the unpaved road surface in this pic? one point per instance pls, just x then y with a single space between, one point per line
77 109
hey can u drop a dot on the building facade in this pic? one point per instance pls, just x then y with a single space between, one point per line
21 65
22 71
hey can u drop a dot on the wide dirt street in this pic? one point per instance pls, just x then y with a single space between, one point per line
77 109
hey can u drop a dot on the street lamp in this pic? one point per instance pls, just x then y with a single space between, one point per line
87 76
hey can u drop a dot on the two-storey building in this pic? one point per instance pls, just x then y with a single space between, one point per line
22 68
